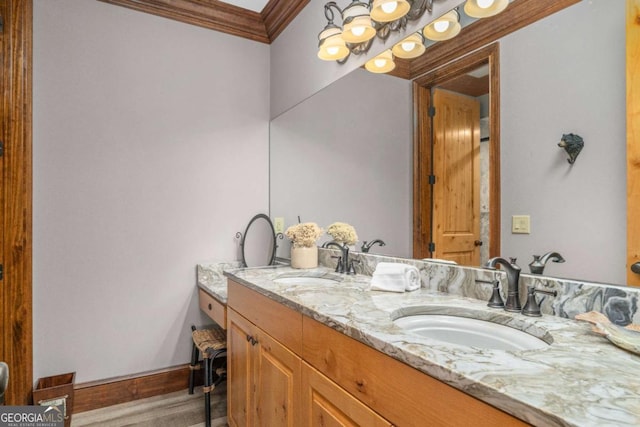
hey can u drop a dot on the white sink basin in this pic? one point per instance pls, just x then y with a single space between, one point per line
302 280
469 332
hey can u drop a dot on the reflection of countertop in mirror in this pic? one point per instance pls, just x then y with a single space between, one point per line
580 380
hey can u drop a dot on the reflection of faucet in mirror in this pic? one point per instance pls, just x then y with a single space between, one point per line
538 263
343 265
367 246
513 280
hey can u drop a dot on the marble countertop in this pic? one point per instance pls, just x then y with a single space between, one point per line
579 380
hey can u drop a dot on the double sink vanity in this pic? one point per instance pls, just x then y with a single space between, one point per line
308 346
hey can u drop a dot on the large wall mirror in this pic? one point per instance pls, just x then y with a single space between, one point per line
346 153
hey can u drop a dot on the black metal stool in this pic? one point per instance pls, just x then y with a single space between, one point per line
212 343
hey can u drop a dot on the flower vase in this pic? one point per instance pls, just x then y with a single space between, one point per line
304 257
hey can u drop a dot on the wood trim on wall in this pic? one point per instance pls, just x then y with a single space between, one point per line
633 139
278 14
16 325
422 148
215 15
103 393
520 13
211 14
422 207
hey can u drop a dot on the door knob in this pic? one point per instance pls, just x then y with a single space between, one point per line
636 267
477 243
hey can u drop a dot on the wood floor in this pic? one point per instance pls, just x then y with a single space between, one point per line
179 409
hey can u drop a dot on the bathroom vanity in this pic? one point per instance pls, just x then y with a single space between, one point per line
294 370
307 350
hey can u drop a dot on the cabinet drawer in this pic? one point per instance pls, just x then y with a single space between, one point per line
214 308
398 392
323 400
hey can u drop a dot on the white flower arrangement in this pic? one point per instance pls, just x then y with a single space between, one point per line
343 233
304 235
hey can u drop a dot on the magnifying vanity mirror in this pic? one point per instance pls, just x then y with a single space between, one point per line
346 153
258 243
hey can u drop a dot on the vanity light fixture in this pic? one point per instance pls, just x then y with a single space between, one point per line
332 46
362 20
382 63
411 47
358 27
444 28
484 8
389 10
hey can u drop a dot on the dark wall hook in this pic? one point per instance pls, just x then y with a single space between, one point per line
572 144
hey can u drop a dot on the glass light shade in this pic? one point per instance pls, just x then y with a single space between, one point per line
382 63
389 10
358 30
331 46
484 8
444 28
411 47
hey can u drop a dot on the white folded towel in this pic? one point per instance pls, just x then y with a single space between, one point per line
395 277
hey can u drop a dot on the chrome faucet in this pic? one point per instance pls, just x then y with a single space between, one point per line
538 263
366 246
343 265
513 280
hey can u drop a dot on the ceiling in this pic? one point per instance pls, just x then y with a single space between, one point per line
255 5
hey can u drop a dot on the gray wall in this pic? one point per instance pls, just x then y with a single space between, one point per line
150 152
565 74
345 155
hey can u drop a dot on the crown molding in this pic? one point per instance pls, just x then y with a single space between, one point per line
216 15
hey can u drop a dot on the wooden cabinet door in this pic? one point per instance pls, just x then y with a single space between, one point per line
263 377
277 384
325 404
239 370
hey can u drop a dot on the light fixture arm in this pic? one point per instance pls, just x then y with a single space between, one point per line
328 13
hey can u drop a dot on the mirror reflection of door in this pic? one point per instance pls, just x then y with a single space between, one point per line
457 161
456 166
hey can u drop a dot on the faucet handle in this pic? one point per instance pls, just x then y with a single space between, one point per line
532 307
339 268
352 269
496 300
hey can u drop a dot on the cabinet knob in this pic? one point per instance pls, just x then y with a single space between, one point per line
478 243
210 306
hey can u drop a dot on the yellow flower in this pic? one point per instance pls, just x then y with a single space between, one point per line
343 233
304 235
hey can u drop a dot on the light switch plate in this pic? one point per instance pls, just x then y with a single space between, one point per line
521 224
278 225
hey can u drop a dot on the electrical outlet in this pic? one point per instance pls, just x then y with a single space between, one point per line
521 224
278 224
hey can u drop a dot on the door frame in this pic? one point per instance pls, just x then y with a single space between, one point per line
633 139
16 201
422 158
